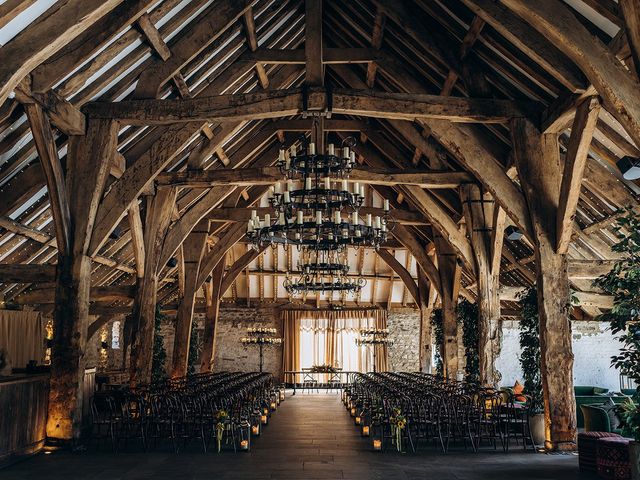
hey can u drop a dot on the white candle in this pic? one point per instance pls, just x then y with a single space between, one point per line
292 150
318 217
290 185
331 149
281 219
345 186
377 222
307 183
312 148
287 163
250 226
254 214
362 191
386 205
336 217
300 217
368 219
353 158
256 222
384 227
345 152
354 218
281 154
267 220
327 183
287 197
278 188
356 188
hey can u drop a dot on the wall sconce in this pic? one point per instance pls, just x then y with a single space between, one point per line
365 430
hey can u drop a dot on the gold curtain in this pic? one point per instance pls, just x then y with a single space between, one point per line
333 325
22 335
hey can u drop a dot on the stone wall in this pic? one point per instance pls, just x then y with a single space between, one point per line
404 332
593 345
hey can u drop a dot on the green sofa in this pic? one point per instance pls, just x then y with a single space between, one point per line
589 395
596 419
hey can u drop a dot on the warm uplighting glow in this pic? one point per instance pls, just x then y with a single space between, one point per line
365 430
377 444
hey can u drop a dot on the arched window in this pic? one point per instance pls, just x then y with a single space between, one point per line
115 335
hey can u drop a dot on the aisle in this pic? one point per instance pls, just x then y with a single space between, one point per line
309 437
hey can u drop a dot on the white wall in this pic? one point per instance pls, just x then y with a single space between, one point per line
593 346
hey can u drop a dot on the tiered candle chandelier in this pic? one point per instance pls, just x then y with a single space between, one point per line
323 271
315 208
374 336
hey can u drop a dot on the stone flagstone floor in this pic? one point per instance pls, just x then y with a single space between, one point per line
309 437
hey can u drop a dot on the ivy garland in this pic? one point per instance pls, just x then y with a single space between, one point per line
438 338
194 349
158 372
467 313
530 347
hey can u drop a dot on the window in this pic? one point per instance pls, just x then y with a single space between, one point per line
115 335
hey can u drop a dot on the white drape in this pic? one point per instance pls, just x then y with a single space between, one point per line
22 335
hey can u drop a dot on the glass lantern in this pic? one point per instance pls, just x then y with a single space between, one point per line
244 436
255 424
376 433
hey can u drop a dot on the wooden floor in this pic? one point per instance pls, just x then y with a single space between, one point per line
309 437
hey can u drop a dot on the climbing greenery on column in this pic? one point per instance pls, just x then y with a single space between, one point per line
438 338
530 347
158 372
468 317
623 282
194 350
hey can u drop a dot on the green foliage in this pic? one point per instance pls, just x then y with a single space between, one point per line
530 347
194 350
623 282
438 338
158 372
630 416
468 317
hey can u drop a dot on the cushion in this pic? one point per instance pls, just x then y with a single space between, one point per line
611 408
613 458
518 388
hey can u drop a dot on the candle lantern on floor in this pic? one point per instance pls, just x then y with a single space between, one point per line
255 423
282 394
262 337
365 430
244 436
374 337
377 436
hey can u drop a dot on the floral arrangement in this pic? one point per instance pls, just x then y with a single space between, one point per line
263 340
323 369
222 418
398 423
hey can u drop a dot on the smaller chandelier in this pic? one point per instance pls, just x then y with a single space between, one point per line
374 336
323 271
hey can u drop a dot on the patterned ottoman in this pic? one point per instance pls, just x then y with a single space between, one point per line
613 458
587 442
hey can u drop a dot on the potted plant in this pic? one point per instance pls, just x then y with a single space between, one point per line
530 361
468 318
623 282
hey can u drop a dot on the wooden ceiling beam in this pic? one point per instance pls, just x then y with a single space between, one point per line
283 103
631 15
252 40
75 52
30 273
271 175
535 45
191 42
313 43
615 84
582 130
56 28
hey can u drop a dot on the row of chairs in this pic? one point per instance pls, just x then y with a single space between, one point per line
437 411
224 408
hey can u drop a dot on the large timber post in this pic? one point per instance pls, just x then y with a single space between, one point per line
540 171
88 160
480 218
449 271
193 249
159 208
